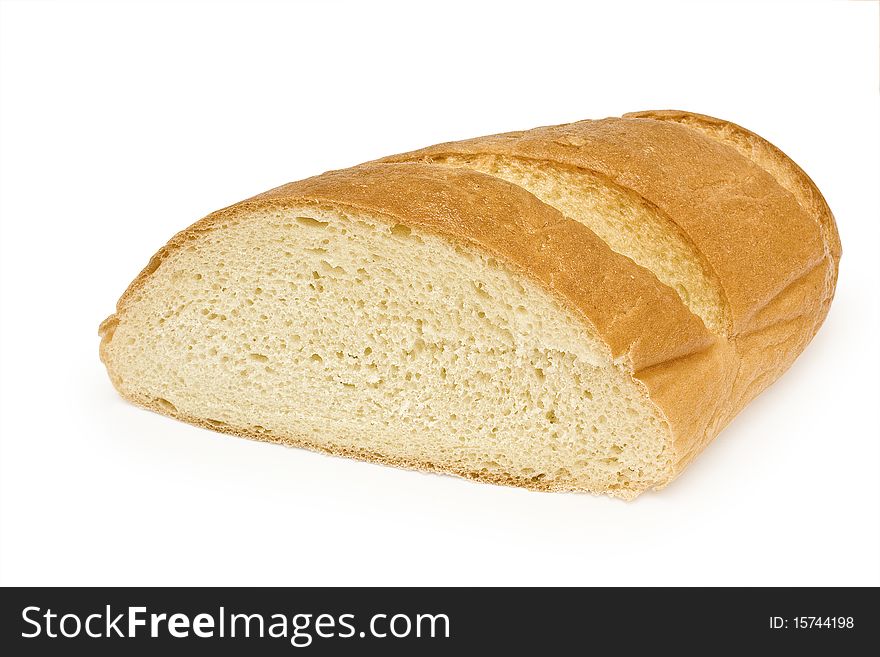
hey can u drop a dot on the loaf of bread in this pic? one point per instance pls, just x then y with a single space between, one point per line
580 307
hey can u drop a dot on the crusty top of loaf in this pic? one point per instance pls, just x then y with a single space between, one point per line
753 233
764 154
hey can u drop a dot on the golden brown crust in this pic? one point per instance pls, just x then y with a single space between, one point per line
756 238
786 171
774 252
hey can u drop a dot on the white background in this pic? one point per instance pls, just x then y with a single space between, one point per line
122 122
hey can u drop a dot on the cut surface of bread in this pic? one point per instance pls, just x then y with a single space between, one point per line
474 310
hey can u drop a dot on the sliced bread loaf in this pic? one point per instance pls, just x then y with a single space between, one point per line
581 307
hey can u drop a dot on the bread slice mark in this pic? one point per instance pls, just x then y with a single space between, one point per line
627 222
782 168
791 317
751 230
349 332
772 307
